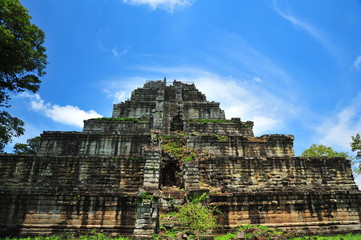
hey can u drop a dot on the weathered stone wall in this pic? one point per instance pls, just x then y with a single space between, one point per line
237 174
57 213
94 144
226 128
140 109
113 126
28 174
268 145
237 146
308 212
199 110
44 195
308 195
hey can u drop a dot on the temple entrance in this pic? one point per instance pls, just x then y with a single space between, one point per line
171 174
177 123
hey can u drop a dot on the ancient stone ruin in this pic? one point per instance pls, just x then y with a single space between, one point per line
165 143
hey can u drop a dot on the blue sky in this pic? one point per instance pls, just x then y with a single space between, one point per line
292 67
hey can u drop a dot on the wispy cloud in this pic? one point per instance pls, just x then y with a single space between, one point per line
257 79
357 62
336 130
252 65
168 5
307 27
116 51
70 115
241 99
119 52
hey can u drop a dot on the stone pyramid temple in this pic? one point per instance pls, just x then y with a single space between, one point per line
167 142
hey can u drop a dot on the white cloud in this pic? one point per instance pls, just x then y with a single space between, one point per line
336 130
357 62
358 181
70 115
255 66
257 79
168 5
119 89
308 28
117 52
241 99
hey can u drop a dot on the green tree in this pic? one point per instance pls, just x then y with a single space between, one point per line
22 62
356 147
31 146
323 151
9 127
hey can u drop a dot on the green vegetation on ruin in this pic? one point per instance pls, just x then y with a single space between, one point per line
176 146
222 138
193 219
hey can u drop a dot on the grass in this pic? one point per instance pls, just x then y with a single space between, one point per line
93 235
263 232
349 236
172 235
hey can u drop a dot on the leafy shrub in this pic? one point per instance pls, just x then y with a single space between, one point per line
197 217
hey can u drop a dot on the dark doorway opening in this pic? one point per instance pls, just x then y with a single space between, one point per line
171 174
177 123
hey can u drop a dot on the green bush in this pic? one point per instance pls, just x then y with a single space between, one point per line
197 217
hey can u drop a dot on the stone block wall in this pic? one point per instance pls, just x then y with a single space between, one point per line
268 145
94 144
113 126
238 146
77 175
226 128
321 212
140 109
37 214
199 110
47 195
238 174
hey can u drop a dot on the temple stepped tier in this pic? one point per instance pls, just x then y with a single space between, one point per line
169 142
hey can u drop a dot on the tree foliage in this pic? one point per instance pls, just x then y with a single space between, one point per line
31 146
356 147
22 62
323 151
9 127
197 217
